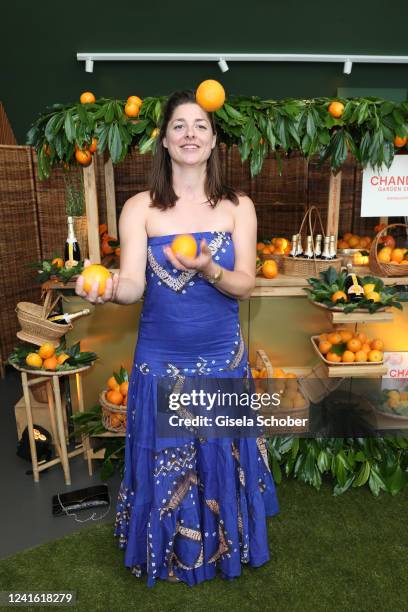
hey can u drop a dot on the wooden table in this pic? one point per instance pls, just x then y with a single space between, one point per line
59 435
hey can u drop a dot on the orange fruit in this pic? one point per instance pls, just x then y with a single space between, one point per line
210 95
361 336
336 109
342 244
278 373
134 100
270 268
397 255
377 344
347 236
184 245
333 357
400 141
267 250
291 375
46 350
384 256
124 388
260 246
93 146
115 421
354 242
93 273
87 98
83 157
325 346
361 356
338 295
57 261
131 110
50 363
323 336
34 360
348 357
124 401
375 355
103 229
255 373
114 397
62 358
366 347
282 243
113 384
345 335
334 338
354 345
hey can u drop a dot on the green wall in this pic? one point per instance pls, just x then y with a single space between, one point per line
40 40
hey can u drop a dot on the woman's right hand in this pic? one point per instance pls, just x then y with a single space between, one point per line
93 297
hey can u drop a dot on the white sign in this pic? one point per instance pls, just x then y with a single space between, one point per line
397 370
385 193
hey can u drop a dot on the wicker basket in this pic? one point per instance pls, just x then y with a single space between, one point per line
304 268
386 269
35 327
113 416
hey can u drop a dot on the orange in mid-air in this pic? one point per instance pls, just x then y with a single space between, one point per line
336 109
210 95
94 273
184 245
87 98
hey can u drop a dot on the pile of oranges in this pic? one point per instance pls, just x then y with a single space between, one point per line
276 373
117 393
354 241
342 346
105 239
393 255
46 358
276 246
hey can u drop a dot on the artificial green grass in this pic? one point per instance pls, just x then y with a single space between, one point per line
332 554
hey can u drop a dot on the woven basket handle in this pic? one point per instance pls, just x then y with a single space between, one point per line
48 305
264 359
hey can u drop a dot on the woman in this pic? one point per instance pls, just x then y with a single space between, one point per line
185 509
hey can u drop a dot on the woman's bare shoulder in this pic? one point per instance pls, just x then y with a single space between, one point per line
139 203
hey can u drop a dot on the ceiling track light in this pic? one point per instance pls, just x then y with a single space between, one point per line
223 65
89 65
221 59
348 65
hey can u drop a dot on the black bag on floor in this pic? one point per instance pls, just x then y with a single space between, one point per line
43 444
82 499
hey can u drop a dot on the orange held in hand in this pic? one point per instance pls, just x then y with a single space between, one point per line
210 95
95 273
184 245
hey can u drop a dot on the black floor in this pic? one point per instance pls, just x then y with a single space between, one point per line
26 519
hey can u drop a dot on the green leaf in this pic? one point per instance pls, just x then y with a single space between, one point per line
375 482
69 127
396 481
363 474
114 143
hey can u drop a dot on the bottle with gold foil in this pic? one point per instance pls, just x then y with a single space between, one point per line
72 253
353 286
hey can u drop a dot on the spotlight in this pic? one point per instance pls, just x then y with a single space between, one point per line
348 64
89 63
223 65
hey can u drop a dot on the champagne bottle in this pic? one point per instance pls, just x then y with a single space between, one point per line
72 253
318 246
332 247
308 254
326 248
65 317
294 246
299 248
353 286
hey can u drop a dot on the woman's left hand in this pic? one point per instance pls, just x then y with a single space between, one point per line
200 263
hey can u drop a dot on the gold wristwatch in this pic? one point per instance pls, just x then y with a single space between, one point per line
216 278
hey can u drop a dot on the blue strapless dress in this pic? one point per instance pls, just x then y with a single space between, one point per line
189 507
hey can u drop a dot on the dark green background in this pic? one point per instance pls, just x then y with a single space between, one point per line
40 41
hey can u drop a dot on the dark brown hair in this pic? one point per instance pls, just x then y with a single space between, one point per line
161 189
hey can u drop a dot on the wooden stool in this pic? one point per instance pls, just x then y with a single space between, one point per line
57 421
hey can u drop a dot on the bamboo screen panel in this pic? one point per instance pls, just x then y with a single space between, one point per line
6 133
19 239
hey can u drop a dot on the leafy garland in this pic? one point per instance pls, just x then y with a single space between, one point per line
366 129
